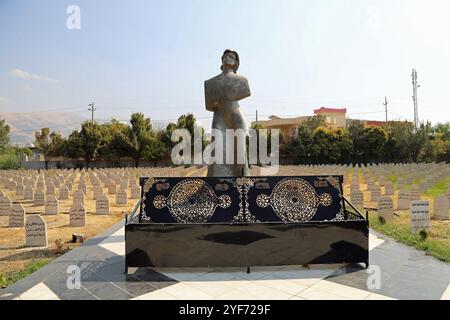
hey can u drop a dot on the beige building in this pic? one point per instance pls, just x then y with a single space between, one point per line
288 126
334 117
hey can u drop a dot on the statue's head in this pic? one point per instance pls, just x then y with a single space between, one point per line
230 60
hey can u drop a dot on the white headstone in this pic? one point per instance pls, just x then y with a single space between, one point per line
403 200
112 188
35 231
51 205
17 217
39 198
386 208
357 198
375 194
121 197
135 191
420 216
414 193
77 215
78 197
102 205
388 188
5 206
28 193
440 208
63 193
19 190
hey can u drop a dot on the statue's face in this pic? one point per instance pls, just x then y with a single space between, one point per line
229 60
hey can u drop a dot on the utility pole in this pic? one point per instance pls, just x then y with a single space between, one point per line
414 97
256 116
385 108
92 109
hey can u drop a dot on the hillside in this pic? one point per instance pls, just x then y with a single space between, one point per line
24 124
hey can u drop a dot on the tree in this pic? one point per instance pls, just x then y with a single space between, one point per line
90 139
154 151
331 146
4 134
397 147
133 139
371 143
299 148
72 146
43 143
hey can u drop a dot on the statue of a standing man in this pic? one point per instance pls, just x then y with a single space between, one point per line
222 94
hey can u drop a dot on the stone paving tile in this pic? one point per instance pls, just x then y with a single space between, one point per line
156 295
316 294
211 288
107 291
287 286
38 292
446 294
340 290
186 292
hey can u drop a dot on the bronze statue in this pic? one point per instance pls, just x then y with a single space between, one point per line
222 94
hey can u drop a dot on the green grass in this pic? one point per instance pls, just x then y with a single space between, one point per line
433 246
6 279
440 188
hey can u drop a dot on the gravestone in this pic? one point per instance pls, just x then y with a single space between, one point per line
121 197
447 194
5 206
17 217
78 197
135 191
28 193
357 198
386 208
375 194
414 193
35 231
98 191
50 189
63 193
112 188
420 216
102 205
403 200
440 208
77 215
82 187
39 198
51 205
19 190
389 189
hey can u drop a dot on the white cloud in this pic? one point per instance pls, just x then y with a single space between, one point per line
3 100
17 73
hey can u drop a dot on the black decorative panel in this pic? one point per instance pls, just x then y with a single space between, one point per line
189 200
296 199
249 199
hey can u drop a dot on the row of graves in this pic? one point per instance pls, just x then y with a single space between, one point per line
388 188
27 197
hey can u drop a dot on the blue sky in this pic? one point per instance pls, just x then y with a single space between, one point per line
153 56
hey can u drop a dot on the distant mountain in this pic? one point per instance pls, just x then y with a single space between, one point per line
24 124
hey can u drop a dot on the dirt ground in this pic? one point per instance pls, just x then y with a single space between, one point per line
15 256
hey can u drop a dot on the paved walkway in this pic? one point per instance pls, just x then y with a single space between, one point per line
405 274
